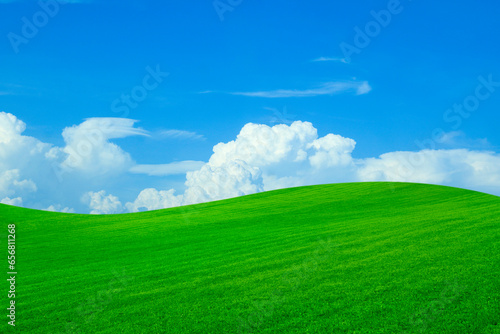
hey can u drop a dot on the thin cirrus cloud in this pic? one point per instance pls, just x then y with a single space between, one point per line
340 60
458 139
181 134
329 88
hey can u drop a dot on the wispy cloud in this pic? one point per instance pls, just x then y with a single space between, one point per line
329 88
340 60
181 134
175 168
14 89
458 139
108 127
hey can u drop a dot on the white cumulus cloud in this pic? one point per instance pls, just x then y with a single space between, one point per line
152 199
90 173
43 174
265 158
101 203
479 170
11 183
18 201
59 208
88 147
230 179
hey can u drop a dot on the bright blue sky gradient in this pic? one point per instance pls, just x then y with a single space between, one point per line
428 58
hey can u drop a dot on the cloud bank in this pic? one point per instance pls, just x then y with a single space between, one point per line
78 177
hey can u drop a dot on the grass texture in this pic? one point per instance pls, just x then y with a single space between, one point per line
343 258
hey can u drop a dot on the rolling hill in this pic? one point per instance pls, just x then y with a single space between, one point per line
340 258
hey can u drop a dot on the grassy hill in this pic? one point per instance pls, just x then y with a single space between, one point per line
343 258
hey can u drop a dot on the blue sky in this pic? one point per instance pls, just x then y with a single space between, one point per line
263 62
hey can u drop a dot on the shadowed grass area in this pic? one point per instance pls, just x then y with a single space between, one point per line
342 258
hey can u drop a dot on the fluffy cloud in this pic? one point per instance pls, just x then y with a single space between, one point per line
43 175
17 151
266 158
230 179
100 203
11 183
286 155
89 173
59 208
260 145
261 158
89 150
18 201
152 199
460 168
11 127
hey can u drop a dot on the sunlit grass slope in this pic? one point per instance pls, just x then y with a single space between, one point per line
343 258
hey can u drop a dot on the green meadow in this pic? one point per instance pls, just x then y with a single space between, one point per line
341 258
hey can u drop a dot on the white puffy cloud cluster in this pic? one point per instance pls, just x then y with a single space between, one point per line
152 199
261 158
101 203
18 201
78 176
17 153
58 208
43 176
89 150
282 155
463 168
265 158
230 179
10 183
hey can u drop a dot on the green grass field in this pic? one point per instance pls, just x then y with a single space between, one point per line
344 258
